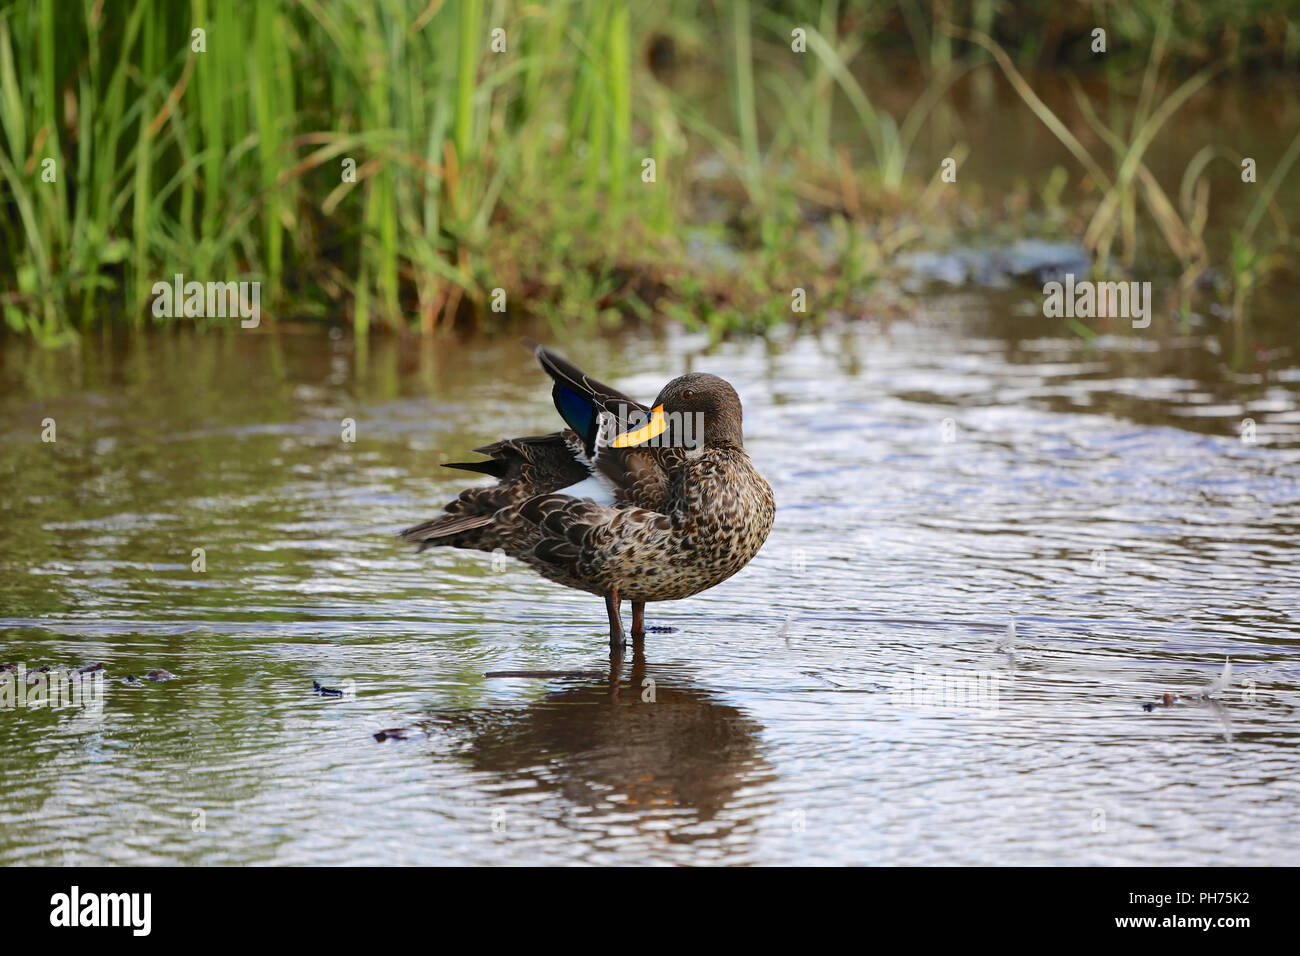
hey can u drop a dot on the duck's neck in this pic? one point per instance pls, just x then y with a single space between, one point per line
699 480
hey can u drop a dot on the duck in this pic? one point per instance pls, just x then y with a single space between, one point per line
628 502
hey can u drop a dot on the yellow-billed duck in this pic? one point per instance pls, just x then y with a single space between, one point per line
628 502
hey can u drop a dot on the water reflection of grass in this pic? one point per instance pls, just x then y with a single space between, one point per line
396 162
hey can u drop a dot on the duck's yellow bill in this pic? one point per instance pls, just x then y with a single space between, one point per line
654 427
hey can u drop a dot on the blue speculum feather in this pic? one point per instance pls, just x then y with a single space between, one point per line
577 411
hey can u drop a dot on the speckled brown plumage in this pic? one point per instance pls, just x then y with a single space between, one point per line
682 519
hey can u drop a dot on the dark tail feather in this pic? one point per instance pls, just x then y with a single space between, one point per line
428 533
496 467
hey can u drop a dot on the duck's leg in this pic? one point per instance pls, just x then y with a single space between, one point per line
616 638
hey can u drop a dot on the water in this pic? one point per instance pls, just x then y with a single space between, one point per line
938 480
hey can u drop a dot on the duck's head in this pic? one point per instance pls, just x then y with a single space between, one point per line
693 411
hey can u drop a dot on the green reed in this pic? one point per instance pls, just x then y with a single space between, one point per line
223 159
380 161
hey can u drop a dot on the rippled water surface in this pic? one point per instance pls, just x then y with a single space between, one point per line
938 480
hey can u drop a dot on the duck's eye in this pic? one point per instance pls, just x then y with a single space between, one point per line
688 394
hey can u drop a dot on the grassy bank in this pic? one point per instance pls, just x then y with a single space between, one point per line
415 165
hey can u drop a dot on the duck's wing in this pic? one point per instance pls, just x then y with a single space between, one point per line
597 412
570 536
523 467
582 401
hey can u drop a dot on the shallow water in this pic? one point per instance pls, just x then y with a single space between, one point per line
1098 496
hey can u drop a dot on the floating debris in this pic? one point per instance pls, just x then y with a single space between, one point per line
158 674
1219 684
324 691
399 733
1168 700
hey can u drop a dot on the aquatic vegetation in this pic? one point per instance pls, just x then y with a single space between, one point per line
413 166
1116 213
347 156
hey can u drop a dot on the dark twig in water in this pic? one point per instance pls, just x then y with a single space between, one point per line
399 733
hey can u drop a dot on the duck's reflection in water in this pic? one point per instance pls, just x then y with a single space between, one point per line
641 743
